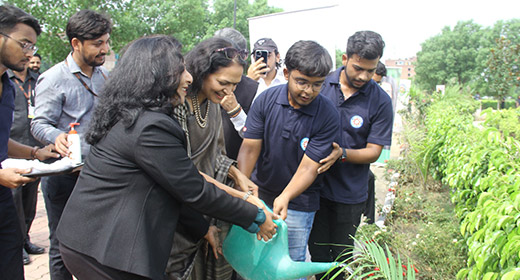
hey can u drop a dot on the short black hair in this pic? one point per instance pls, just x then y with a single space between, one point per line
88 25
11 16
367 44
381 69
38 56
310 58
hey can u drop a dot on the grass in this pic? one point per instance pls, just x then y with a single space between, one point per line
422 225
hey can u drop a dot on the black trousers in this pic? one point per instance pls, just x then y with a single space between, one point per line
11 239
25 199
84 267
56 192
370 208
334 223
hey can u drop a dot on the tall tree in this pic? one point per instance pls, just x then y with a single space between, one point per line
450 55
503 72
184 19
223 14
190 21
509 30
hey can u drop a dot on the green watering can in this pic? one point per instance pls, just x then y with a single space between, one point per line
260 260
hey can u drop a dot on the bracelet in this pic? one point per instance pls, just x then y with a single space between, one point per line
247 195
233 111
34 151
237 113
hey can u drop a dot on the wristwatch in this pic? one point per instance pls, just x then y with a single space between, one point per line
343 157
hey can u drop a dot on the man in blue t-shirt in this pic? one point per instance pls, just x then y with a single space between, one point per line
366 126
18 33
288 130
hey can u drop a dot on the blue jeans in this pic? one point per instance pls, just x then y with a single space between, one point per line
299 226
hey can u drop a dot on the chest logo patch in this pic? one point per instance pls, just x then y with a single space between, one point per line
304 142
356 121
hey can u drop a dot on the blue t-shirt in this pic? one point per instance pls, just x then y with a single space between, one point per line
6 120
287 135
366 117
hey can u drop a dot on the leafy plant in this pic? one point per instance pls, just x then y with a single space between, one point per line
371 261
480 164
503 72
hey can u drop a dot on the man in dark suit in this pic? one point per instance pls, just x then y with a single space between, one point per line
18 34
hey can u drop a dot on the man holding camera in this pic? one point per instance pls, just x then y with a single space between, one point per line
264 69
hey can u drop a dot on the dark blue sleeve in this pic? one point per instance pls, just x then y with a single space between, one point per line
327 130
382 122
255 122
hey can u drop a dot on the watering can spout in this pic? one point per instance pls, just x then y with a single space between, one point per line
304 269
259 260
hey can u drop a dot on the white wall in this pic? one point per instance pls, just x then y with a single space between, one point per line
286 28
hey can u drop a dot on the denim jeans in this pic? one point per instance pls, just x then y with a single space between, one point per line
299 226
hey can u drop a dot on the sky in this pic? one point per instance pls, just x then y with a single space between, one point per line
404 24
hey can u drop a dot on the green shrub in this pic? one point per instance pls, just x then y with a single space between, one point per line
489 103
480 164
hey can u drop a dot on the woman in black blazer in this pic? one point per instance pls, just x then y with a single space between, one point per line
120 219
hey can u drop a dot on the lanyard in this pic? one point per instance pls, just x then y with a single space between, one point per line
85 84
27 95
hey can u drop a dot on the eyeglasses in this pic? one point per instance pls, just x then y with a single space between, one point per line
27 48
304 85
231 53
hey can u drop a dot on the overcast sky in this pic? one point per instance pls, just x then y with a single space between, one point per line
404 24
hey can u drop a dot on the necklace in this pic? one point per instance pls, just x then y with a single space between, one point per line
196 109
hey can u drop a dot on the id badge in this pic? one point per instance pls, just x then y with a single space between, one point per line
30 112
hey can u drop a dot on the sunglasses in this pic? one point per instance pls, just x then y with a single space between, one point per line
231 53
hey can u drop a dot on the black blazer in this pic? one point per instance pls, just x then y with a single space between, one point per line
245 92
125 206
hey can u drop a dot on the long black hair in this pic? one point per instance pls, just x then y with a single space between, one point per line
146 77
204 60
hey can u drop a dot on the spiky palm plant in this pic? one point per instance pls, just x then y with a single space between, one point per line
371 261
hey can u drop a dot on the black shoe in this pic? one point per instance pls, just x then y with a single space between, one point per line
33 249
26 259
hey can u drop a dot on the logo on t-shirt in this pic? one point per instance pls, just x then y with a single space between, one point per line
356 121
304 143
244 129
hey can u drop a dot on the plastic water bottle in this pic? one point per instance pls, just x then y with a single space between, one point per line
74 144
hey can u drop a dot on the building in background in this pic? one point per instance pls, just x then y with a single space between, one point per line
407 66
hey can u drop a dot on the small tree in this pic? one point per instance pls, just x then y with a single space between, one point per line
503 73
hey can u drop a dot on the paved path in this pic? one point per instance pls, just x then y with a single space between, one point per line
39 267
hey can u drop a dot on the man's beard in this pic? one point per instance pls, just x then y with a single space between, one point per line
15 67
92 62
349 81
